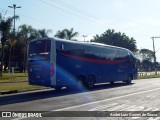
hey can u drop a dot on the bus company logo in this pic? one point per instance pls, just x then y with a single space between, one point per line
6 114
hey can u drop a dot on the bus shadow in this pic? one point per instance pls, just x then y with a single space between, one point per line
51 93
101 86
109 86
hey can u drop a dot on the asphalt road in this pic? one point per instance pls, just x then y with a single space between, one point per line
142 96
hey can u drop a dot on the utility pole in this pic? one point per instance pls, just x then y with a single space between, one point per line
154 55
14 32
14 8
84 37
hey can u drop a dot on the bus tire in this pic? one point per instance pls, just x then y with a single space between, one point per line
112 82
58 88
129 81
90 81
81 80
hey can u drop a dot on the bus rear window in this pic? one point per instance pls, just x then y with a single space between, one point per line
39 46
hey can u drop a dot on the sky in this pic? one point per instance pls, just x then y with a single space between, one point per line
139 19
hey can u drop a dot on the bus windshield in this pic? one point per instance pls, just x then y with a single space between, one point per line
39 50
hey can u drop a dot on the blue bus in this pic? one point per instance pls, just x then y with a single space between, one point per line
58 63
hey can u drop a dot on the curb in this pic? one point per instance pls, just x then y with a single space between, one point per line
7 98
19 91
8 92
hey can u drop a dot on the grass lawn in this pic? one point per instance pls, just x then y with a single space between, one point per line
22 87
18 77
16 82
149 76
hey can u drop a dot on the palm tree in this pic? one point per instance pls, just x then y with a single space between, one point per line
44 33
61 34
25 32
5 27
66 34
70 34
95 38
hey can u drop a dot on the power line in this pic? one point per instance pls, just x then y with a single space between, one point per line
60 8
35 19
91 19
40 23
157 50
74 8
67 5
88 15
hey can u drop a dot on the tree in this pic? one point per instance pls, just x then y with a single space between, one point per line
111 37
146 54
44 33
146 59
96 37
70 34
5 28
66 34
25 33
61 34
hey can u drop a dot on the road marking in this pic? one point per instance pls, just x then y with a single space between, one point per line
105 100
137 108
128 108
99 101
117 107
151 118
100 108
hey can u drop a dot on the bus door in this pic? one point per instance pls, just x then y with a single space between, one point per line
39 62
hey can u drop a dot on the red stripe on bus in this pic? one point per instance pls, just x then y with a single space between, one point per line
94 60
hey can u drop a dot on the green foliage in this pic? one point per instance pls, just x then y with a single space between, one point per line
66 34
111 37
44 33
146 59
146 54
5 29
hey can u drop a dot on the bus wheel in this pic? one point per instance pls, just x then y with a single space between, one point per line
129 81
90 82
112 82
81 80
58 88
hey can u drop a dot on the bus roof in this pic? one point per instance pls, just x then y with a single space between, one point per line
82 43
89 43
